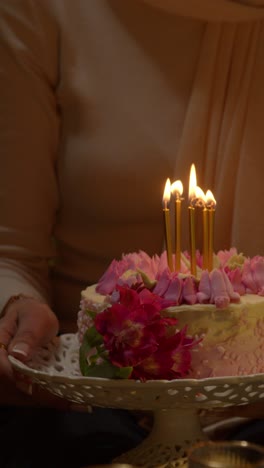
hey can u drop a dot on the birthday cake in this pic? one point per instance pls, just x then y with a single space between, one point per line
144 321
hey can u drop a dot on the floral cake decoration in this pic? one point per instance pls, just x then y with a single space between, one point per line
128 334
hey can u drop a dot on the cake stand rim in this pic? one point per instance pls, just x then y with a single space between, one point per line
83 380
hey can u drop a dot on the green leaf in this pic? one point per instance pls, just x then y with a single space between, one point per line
92 339
108 371
91 313
123 372
149 283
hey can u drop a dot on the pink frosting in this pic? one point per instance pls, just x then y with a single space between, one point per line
234 276
253 275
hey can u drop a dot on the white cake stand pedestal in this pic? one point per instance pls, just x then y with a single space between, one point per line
175 404
173 432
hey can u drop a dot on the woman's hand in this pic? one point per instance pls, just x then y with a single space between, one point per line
26 325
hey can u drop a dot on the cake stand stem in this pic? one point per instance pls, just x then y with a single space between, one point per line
173 431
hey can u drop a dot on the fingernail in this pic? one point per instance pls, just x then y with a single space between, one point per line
21 348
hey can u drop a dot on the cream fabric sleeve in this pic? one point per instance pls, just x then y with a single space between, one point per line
29 129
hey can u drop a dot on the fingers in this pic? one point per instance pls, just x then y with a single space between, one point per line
7 329
24 393
6 371
27 325
43 398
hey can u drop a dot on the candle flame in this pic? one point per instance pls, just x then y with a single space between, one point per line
177 188
210 201
192 183
199 197
167 193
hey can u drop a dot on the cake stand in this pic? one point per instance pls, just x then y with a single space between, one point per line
175 404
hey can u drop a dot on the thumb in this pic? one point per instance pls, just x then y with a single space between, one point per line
36 326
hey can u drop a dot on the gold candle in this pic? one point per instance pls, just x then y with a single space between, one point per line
167 223
210 202
192 196
211 212
192 240
205 238
177 189
200 201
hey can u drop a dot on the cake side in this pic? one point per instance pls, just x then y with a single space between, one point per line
91 300
232 338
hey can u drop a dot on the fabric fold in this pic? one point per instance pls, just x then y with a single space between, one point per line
217 126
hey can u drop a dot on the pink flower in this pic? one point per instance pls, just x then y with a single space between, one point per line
163 281
189 293
216 288
140 270
169 286
108 281
253 275
225 255
127 271
235 277
204 293
199 259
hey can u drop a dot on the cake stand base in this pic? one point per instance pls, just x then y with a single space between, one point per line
173 432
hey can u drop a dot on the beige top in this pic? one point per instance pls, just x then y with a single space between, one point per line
100 102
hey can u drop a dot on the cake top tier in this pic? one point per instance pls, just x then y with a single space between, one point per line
232 276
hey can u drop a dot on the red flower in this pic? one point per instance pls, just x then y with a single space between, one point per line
136 335
171 360
131 329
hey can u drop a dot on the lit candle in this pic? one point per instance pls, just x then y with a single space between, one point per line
205 233
192 199
177 189
166 211
210 204
199 202
205 238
